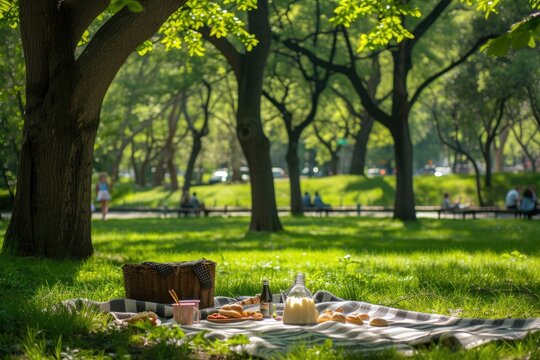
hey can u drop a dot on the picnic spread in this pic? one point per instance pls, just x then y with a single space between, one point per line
274 324
405 330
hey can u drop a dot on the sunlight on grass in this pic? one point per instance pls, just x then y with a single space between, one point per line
346 190
480 268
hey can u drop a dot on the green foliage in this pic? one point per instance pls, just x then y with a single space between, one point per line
522 34
389 24
9 13
132 5
182 27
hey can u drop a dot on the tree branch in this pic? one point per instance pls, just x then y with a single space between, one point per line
115 40
428 21
83 12
452 65
226 48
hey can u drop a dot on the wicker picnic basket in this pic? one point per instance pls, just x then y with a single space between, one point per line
150 281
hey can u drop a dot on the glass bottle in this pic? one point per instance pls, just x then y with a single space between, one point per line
299 307
266 300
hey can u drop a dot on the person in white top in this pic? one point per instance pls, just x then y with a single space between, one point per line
512 198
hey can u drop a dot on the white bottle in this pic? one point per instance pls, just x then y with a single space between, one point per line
299 307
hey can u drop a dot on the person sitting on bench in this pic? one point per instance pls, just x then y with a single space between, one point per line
318 203
306 200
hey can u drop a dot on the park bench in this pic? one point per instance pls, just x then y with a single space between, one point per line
357 210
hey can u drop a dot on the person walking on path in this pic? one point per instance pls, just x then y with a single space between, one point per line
103 189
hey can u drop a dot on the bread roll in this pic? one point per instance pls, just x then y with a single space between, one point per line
364 317
230 313
378 322
354 319
324 317
339 317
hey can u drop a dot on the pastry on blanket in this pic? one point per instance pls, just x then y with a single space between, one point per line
354 319
339 317
142 316
324 317
234 307
329 311
230 313
378 322
364 316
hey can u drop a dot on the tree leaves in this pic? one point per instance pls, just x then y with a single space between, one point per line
9 13
182 28
521 34
389 20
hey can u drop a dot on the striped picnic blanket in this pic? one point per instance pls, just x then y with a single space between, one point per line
407 329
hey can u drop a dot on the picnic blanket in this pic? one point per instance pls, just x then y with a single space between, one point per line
407 329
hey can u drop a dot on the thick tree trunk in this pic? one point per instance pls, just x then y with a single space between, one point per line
403 152
293 166
254 143
195 149
358 160
52 213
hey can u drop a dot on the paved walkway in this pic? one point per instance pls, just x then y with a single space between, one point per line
378 214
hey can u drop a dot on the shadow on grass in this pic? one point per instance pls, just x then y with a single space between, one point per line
352 234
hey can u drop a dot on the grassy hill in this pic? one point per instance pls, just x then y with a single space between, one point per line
335 190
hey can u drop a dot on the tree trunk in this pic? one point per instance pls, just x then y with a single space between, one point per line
51 216
195 149
334 162
254 143
477 180
358 161
171 169
159 173
499 150
403 153
293 166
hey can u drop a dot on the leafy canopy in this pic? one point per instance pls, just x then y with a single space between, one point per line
389 14
181 29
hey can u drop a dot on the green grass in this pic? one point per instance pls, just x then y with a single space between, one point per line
336 190
481 268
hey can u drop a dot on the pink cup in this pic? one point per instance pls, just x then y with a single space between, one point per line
186 313
195 301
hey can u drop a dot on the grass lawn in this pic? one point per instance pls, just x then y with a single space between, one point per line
481 268
336 190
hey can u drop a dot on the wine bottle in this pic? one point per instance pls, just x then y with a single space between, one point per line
266 300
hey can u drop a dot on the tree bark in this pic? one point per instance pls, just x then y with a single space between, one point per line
254 143
51 215
358 160
293 166
403 154
195 150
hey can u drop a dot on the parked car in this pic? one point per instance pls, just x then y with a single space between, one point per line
278 173
219 176
442 170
